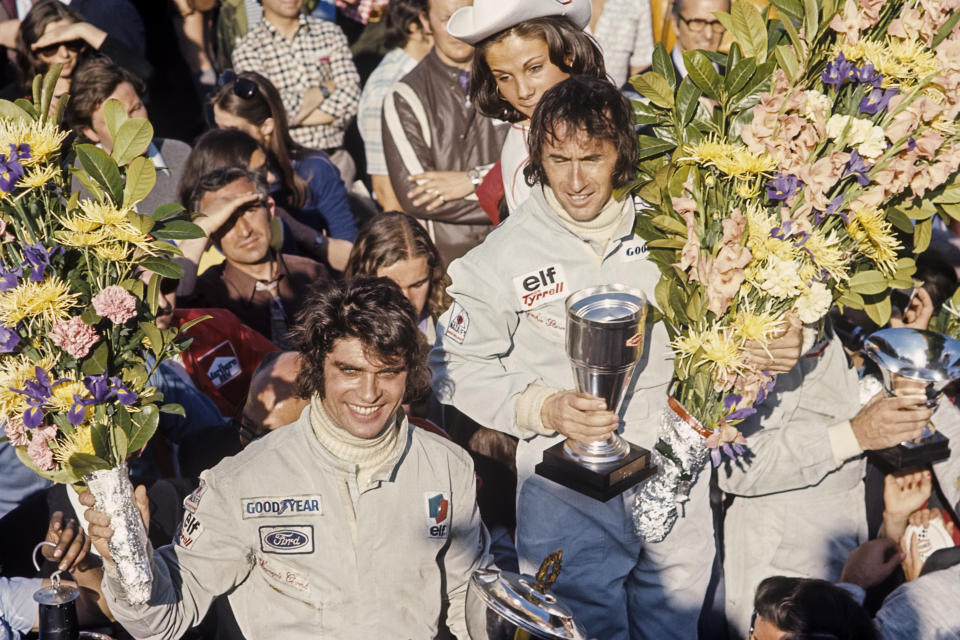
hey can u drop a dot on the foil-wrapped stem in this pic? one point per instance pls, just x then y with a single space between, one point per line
129 546
680 454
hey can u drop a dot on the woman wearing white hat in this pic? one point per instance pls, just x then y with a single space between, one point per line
523 48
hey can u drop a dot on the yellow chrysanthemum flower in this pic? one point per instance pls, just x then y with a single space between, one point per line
38 177
826 253
874 237
62 397
126 233
14 373
49 300
80 238
732 159
717 348
748 189
759 326
44 139
103 213
901 62
80 441
112 251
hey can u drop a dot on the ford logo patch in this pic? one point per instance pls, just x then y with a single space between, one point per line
291 539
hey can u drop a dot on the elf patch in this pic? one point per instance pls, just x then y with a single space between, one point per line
458 324
190 530
192 501
537 288
438 514
288 540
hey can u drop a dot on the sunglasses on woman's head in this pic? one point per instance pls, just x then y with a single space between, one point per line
242 87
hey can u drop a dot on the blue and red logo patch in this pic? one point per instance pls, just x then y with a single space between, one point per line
438 513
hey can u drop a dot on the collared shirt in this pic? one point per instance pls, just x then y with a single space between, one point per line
18 610
227 287
625 34
318 52
396 64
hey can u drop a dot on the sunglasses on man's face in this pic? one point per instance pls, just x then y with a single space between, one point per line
74 46
242 87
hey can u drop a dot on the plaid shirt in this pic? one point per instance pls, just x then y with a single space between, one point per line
318 52
625 34
395 65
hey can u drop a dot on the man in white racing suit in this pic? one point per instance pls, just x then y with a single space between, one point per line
349 523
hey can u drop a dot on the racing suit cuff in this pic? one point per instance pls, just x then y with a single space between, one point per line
529 403
843 442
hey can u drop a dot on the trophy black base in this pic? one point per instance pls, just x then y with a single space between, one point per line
600 482
933 448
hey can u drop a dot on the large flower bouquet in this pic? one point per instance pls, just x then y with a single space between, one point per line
776 176
78 340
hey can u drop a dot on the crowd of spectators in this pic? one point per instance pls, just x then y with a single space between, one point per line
376 178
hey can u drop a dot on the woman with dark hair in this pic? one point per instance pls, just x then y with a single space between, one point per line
807 609
52 33
222 148
310 185
394 245
522 50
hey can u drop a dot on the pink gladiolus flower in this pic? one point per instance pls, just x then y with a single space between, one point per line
115 303
16 432
690 253
74 336
39 447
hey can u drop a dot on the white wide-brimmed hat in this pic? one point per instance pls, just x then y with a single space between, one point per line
487 17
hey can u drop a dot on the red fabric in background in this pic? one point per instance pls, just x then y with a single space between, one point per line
223 356
490 192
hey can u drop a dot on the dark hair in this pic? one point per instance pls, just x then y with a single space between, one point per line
265 103
219 178
215 149
31 29
572 50
95 80
375 311
400 15
808 609
391 237
590 105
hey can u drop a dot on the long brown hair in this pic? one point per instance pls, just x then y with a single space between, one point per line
391 237
265 103
31 29
570 49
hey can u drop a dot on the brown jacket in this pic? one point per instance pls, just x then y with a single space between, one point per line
429 124
226 287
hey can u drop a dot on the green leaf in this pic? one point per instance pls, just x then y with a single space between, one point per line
186 326
154 336
748 30
174 409
100 439
61 108
868 282
701 71
90 316
951 194
952 210
10 111
84 463
788 60
141 177
670 224
899 219
166 211
688 99
165 268
789 8
121 443
667 243
97 363
663 64
87 183
851 299
178 230
27 106
114 114
153 294
945 29
921 236
739 76
143 428
101 168
924 211
650 147
132 140
47 87
763 74
811 17
655 88
879 311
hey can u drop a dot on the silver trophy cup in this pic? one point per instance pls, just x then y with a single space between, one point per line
925 356
605 331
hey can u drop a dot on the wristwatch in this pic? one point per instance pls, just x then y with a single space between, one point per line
319 249
474 175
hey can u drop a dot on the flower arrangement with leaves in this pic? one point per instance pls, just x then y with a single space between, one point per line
777 174
78 339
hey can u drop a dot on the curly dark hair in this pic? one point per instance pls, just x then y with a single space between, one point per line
571 49
375 311
808 609
590 105
394 236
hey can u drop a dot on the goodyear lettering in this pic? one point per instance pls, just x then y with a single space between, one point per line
281 506
634 250
541 286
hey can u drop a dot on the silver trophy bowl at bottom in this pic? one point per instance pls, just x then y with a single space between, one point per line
507 606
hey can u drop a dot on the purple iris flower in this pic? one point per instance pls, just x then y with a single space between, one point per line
732 401
876 101
765 388
832 209
858 168
9 339
783 186
838 71
867 75
10 171
124 395
99 388
911 144
38 391
730 450
77 412
10 279
39 256
20 152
